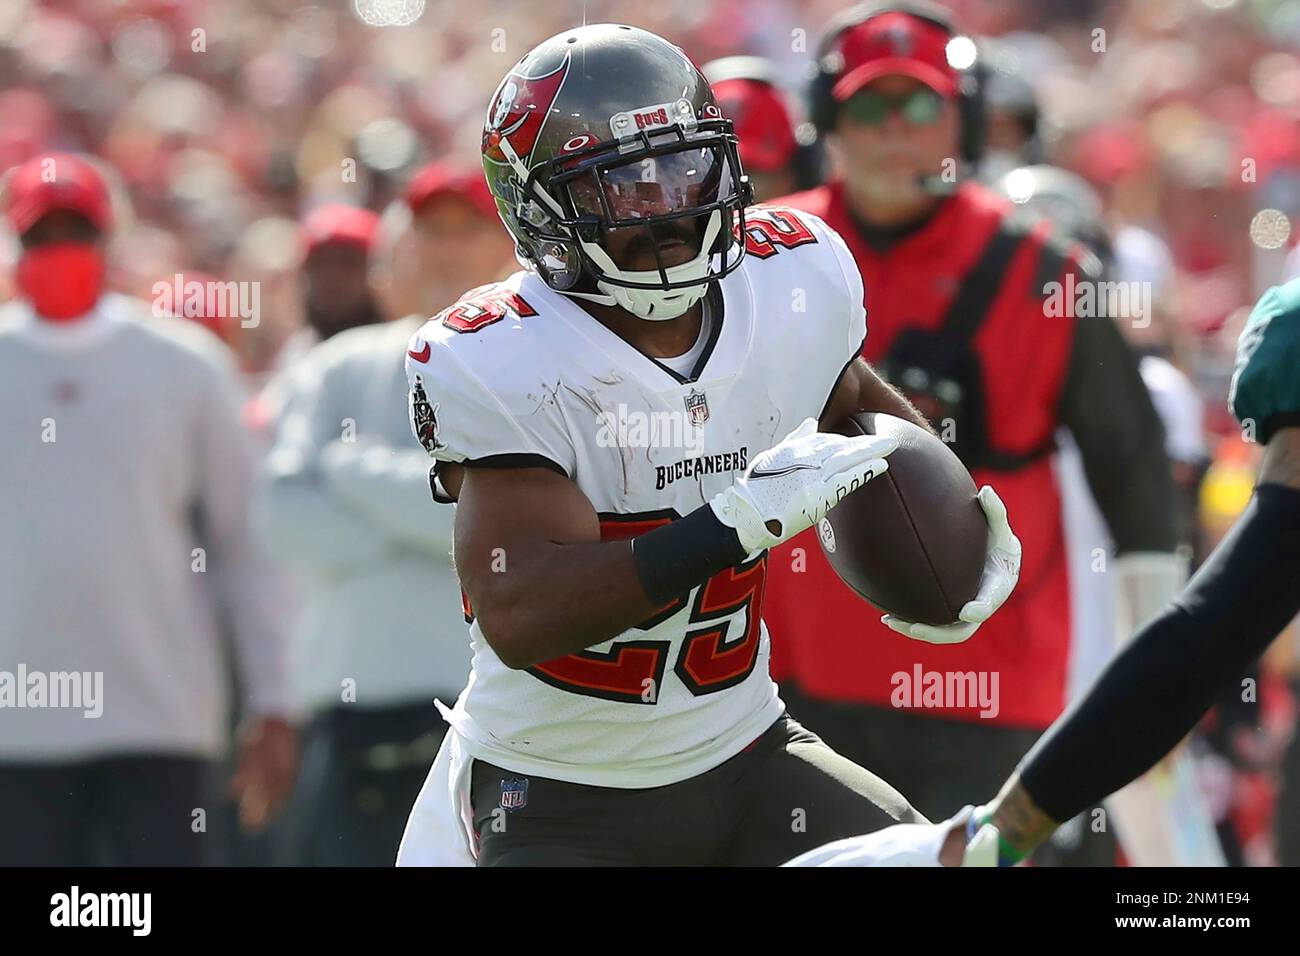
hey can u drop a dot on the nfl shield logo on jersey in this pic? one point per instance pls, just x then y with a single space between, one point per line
514 793
697 407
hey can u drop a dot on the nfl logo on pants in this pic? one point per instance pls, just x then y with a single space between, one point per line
514 793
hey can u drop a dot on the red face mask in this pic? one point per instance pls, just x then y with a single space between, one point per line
62 280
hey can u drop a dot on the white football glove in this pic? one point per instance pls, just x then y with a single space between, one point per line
1001 571
793 484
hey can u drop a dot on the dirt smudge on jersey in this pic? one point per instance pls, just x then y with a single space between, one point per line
588 397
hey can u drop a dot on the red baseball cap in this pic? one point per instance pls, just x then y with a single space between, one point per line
763 124
339 223
894 44
57 181
439 179
1108 152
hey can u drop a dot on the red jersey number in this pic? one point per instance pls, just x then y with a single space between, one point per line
481 307
771 230
711 659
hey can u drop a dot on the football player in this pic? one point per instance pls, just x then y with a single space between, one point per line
628 425
1165 679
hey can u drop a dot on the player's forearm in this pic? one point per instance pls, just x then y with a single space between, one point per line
549 599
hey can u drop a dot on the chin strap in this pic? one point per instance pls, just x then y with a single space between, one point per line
654 312
656 304
651 312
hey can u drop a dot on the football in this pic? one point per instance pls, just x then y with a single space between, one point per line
912 542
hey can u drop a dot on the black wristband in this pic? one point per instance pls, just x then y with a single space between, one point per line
673 558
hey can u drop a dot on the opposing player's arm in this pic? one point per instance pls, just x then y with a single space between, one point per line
1282 459
1157 688
860 389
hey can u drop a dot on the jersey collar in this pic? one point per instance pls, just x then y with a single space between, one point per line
654 373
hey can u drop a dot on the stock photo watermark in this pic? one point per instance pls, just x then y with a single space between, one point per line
24 689
920 689
192 298
1088 299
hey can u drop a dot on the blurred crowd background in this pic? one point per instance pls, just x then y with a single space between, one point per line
220 151
224 125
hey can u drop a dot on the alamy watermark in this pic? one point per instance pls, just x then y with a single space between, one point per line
70 690
75 908
948 690
625 427
193 298
1086 299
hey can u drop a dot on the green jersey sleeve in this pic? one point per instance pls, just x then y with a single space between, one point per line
1265 390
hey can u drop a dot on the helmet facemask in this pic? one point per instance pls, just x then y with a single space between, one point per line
682 186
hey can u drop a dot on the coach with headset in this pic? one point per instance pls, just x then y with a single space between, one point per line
959 319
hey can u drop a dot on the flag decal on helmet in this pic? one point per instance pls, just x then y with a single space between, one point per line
519 110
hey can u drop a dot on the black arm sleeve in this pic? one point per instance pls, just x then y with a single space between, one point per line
1164 680
1109 411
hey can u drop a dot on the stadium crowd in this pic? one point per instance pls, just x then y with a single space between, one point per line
323 158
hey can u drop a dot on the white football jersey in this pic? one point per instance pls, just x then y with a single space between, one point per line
516 373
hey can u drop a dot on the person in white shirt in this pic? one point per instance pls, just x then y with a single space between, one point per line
335 243
346 505
126 479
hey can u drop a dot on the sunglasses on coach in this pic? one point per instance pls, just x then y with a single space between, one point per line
918 108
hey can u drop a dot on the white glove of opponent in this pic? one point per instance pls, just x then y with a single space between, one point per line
793 484
1001 571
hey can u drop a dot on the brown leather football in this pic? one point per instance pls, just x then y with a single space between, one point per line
913 541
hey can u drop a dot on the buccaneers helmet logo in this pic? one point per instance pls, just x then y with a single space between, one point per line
519 111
